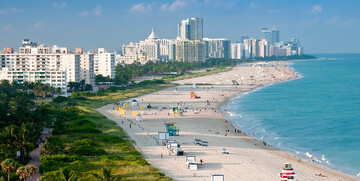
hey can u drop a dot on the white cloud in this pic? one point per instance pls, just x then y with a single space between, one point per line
61 5
6 28
97 11
37 26
177 4
141 7
84 13
316 9
10 11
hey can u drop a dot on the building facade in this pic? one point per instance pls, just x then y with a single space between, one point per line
217 48
237 51
190 29
87 68
104 63
190 51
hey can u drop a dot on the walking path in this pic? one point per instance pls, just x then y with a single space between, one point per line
34 155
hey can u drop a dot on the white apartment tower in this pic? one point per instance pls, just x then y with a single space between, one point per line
263 48
104 63
190 29
87 68
237 50
150 47
50 65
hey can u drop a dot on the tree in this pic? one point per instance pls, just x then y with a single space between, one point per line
62 175
88 87
53 145
22 172
8 166
105 175
71 85
26 137
31 171
82 84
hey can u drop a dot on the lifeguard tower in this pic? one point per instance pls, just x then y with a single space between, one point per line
177 111
172 129
287 173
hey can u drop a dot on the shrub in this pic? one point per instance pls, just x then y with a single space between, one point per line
130 158
88 151
142 162
85 142
54 162
60 99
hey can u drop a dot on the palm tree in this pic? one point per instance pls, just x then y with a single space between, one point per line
22 172
25 138
31 171
8 166
105 175
62 175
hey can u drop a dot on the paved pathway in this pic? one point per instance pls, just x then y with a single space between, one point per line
34 155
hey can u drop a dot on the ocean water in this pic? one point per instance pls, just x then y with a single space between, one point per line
317 115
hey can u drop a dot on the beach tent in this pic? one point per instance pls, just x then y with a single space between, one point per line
194 86
134 102
217 177
139 118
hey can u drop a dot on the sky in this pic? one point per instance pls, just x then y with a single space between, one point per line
323 26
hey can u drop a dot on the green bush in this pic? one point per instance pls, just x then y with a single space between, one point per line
60 99
85 142
142 162
130 158
88 151
54 162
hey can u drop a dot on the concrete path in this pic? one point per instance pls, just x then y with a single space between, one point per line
34 155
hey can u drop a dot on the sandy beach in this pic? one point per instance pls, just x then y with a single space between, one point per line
248 159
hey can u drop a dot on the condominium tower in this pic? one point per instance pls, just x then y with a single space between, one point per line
190 29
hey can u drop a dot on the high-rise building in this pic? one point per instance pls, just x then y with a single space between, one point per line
251 47
190 51
263 48
104 63
237 50
190 29
272 36
243 37
217 48
51 65
87 68
266 34
150 47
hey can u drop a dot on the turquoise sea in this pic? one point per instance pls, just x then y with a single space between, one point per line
317 114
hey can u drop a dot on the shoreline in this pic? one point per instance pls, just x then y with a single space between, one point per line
253 155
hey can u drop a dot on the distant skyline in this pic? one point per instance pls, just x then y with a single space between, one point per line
323 26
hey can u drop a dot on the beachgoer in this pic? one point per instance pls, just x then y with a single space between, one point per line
201 161
161 155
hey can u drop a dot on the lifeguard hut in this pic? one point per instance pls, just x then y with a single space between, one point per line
177 111
287 173
172 129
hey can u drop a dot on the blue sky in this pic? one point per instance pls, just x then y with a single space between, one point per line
323 26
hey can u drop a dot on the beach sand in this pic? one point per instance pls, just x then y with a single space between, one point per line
249 159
